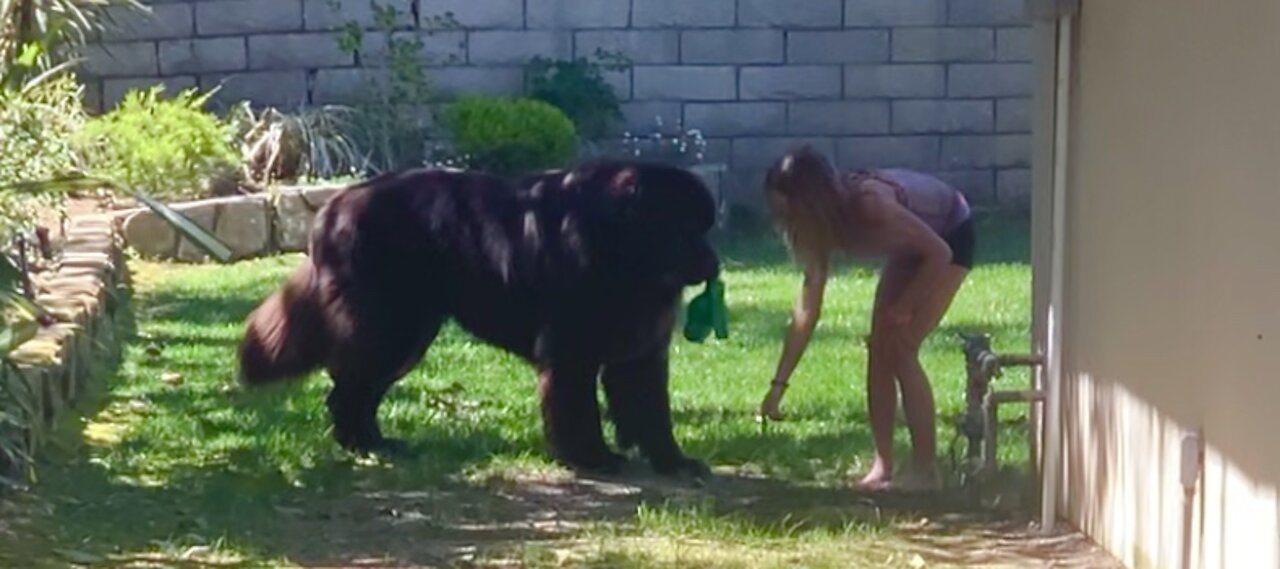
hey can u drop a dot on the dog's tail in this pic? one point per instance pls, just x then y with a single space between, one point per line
285 337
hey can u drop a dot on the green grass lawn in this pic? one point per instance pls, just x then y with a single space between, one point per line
176 463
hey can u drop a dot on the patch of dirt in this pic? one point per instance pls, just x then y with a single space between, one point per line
1003 544
491 521
500 519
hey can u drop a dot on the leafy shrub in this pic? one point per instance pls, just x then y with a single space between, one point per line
169 147
310 143
38 121
391 123
578 88
509 136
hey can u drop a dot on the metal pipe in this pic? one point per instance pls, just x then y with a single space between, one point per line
991 408
1052 455
980 423
1192 467
1024 360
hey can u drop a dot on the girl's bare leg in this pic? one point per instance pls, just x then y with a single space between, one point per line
917 394
894 354
882 390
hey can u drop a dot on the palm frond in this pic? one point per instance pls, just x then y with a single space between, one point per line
55 26
20 322
205 240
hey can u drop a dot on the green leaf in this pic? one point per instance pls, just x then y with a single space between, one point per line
16 334
17 381
21 324
29 55
47 75
199 236
10 275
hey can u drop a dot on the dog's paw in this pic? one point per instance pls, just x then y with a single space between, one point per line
604 463
625 442
392 448
683 467
380 447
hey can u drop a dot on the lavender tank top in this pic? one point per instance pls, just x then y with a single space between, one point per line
935 202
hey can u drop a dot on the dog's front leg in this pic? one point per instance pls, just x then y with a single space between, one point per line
637 393
571 416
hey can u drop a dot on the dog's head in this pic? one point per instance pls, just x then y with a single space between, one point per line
653 219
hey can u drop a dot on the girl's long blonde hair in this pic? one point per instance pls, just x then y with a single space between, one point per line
809 204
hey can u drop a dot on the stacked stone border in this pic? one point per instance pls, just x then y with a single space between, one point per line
251 225
87 297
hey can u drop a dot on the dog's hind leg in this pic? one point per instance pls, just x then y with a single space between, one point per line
363 369
636 391
621 409
571 417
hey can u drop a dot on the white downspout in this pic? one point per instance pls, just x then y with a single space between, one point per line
1053 357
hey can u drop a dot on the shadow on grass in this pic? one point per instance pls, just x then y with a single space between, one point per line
326 509
418 511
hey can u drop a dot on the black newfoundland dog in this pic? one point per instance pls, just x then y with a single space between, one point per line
579 272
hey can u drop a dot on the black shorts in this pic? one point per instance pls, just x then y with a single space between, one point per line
961 241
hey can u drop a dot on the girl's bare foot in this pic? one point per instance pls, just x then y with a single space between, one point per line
924 478
878 479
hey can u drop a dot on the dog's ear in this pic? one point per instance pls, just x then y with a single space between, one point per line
625 182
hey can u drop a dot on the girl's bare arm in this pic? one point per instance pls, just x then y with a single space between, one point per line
804 318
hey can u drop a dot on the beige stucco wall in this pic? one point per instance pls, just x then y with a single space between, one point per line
1172 283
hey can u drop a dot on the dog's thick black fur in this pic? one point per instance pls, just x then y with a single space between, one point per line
579 272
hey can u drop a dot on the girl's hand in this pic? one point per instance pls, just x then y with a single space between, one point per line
769 407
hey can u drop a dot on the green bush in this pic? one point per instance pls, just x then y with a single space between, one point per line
509 136
578 88
38 122
169 147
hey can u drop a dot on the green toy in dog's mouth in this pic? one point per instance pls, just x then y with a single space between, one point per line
707 312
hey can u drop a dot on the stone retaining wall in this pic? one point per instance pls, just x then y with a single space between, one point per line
87 297
252 225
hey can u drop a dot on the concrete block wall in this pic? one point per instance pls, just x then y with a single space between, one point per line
939 85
